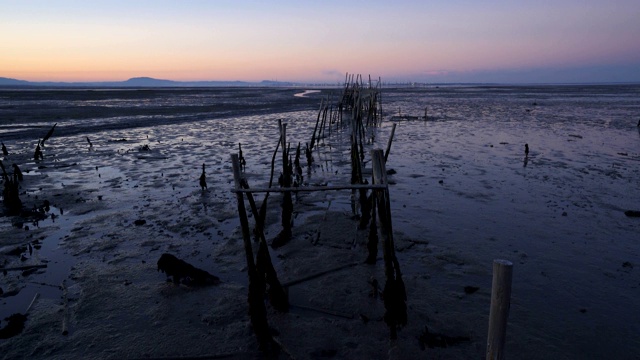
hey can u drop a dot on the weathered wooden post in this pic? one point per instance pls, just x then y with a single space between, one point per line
386 153
315 129
395 295
287 202
372 243
278 298
257 310
500 304
243 162
380 98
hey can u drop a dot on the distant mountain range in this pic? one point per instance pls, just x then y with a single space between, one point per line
141 82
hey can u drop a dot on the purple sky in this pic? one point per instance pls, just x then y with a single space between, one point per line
429 41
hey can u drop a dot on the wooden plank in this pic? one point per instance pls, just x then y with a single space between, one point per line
20 268
312 188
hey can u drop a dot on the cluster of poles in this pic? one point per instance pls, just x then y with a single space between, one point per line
11 189
357 111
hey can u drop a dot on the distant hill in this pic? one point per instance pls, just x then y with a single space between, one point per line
142 82
147 81
13 82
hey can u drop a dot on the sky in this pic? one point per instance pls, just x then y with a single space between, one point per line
543 41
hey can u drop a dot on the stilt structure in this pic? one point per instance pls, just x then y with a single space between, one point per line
363 111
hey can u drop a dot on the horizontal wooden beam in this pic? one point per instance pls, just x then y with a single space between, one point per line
312 188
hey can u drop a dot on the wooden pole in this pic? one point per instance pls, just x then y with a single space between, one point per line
395 295
244 222
313 136
379 177
386 153
257 310
287 202
500 304
264 267
380 97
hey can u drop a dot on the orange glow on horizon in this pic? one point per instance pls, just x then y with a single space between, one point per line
226 42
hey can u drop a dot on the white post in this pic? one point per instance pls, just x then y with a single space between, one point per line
500 304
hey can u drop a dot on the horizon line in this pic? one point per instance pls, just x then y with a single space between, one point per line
132 80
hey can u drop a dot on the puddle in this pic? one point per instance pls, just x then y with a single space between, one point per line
305 93
47 281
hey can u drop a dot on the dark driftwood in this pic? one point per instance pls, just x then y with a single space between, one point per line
324 311
21 268
318 274
238 355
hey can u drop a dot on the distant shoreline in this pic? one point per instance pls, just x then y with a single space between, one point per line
145 83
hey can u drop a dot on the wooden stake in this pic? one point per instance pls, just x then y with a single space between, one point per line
395 295
257 310
386 153
500 304
287 202
380 97
264 267
244 223
315 129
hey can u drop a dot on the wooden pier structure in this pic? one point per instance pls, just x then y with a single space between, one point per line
357 112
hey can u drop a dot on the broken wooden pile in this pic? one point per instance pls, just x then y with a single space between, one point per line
358 113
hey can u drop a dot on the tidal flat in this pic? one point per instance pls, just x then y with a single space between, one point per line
121 174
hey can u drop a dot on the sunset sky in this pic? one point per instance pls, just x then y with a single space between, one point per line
307 41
